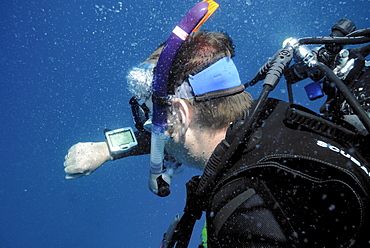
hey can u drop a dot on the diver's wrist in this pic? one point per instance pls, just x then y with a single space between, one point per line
102 149
106 151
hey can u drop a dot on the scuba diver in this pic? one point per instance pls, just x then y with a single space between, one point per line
275 173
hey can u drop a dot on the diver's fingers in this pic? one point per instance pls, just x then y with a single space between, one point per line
78 175
70 161
74 176
75 168
77 155
72 151
74 148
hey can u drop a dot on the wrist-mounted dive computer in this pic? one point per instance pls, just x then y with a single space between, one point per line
120 141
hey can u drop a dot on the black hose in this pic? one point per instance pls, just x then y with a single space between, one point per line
360 32
355 105
334 40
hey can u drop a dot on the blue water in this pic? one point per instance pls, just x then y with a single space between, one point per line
62 67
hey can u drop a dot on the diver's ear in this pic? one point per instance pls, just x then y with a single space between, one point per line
184 112
181 114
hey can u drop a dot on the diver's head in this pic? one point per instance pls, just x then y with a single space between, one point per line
204 74
206 95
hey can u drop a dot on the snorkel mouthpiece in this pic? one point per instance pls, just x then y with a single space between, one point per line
190 23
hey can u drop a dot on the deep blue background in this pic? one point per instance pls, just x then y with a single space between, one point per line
62 67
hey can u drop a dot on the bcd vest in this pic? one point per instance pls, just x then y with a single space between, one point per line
297 180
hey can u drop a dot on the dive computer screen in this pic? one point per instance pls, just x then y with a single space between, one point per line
121 138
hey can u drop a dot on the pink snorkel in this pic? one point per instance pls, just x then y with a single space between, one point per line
190 23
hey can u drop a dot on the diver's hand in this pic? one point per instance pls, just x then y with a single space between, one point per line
84 158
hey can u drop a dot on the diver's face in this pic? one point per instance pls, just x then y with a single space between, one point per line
184 154
183 143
